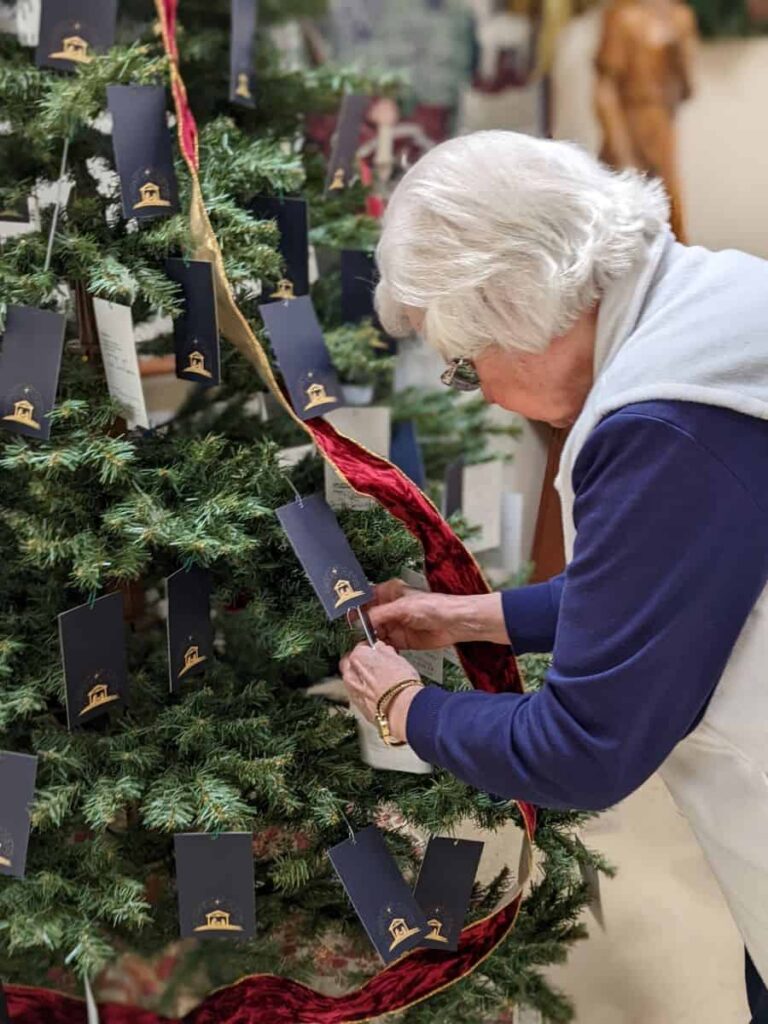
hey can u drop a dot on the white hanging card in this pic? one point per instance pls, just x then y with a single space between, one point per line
290 457
12 227
527 1015
28 21
121 363
426 663
481 503
378 754
371 427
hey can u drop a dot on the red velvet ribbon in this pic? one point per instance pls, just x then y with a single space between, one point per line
268 999
450 568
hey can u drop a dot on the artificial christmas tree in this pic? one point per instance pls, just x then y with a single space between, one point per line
102 508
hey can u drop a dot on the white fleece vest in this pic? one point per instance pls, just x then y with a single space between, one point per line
689 324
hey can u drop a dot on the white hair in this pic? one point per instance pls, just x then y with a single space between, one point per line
503 238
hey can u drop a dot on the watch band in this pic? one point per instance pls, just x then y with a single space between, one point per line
383 703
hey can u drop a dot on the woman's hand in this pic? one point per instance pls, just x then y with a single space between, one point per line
412 620
368 672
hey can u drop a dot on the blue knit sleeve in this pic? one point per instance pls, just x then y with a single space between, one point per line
530 615
670 556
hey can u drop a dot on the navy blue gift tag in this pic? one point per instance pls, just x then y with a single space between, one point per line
95 666
359 275
244 15
72 31
358 280
215 885
405 452
326 557
190 631
453 495
302 355
196 331
379 894
143 153
341 167
444 888
30 359
293 224
18 773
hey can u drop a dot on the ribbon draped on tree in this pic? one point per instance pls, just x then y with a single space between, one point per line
450 568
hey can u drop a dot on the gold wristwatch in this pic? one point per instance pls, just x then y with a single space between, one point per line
381 710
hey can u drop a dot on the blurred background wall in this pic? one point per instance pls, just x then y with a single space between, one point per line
723 139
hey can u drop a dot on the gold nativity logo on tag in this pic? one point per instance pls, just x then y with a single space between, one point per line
435 929
151 192
6 849
317 394
23 414
192 658
244 86
343 589
73 47
283 290
218 920
400 930
196 364
339 180
97 697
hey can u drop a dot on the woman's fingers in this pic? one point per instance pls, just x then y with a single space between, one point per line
392 614
368 672
383 593
356 689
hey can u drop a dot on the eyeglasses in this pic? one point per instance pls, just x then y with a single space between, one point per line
461 375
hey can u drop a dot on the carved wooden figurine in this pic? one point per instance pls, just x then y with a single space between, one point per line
643 74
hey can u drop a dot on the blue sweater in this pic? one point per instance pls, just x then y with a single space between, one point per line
671 554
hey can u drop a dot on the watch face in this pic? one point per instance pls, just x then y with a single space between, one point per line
383 726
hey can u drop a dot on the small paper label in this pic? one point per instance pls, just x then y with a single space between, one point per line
305 363
92 638
358 277
381 898
527 1015
28 21
18 773
481 504
215 885
143 153
121 362
290 457
292 220
426 663
73 32
325 555
378 754
369 426
591 878
196 330
444 888
21 219
190 632
242 41
341 167
405 452
30 357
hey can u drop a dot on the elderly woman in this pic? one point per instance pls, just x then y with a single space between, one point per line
556 287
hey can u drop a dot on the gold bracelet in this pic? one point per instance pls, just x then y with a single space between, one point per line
381 710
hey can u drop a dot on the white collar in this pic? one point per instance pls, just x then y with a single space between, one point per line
623 299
